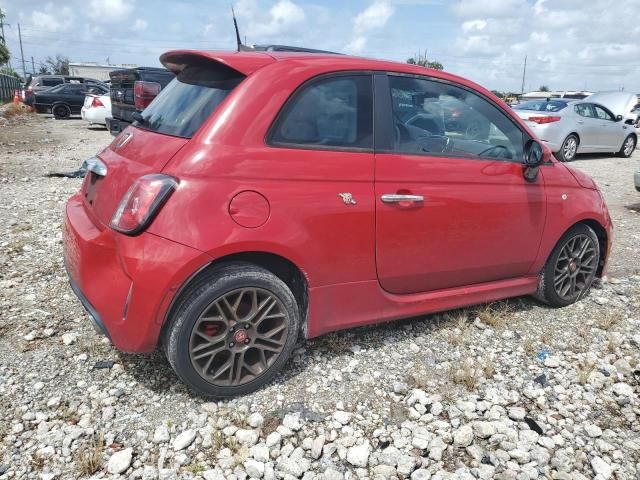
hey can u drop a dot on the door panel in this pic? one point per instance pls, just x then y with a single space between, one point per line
466 214
588 127
480 221
609 131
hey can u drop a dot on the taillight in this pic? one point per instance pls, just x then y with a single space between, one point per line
142 203
97 102
543 120
144 93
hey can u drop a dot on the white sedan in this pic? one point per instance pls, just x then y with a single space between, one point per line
96 108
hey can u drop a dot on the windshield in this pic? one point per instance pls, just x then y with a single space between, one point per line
189 99
542 106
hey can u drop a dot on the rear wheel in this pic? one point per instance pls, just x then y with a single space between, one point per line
569 148
628 146
571 268
233 331
61 112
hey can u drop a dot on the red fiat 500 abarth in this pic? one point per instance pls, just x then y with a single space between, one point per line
267 196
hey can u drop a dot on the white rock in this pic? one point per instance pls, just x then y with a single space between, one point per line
255 420
600 467
247 437
623 389
273 439
183 440
254 468
316 446
260 452
592 430
120 461
292 421
422 474
161 434
69 338
358 456
463 436
342 417
516 413
552 362
484 429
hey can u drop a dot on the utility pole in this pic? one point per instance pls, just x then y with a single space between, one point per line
524 73
24 70
33 66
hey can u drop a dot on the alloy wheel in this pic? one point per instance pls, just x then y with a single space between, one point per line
629 145
569 149
575 267
238 336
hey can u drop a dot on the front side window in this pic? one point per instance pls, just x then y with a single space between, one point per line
602 114
335 112
437 118
51 82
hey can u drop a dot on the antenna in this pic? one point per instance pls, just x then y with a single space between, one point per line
235 25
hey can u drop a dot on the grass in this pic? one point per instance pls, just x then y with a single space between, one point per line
584 372
196 468
613 343
609 320
529 345
466 374
88 457
584 332
494 315
37 462
454 339
489 368
546 338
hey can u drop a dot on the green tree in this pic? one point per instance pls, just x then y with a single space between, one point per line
57 66
422 60
543 88
9 71
497 93
4 54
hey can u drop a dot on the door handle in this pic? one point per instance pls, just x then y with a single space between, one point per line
396 198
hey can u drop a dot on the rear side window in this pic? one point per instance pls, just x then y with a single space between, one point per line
542 106
335 112
188 100
51 82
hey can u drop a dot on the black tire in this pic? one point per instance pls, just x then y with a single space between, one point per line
194 305
549 288
628 146
566 152
61 111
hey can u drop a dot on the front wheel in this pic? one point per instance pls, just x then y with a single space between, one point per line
571 268
628 146
569 148
233 330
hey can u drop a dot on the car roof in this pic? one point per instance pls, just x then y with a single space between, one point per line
249 62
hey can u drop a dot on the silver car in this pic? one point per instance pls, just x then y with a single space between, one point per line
584 126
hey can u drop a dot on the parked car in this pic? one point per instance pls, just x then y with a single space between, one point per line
96 108
132 89
636 180
572 127
39 83
65 99
256 201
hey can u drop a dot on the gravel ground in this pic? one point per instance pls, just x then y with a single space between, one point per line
514 390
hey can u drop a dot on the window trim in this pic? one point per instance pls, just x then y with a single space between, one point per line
383 102
284 109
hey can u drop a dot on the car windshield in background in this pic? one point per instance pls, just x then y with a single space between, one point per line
185 104
542 106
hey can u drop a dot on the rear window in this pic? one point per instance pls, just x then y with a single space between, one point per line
542 106
188 100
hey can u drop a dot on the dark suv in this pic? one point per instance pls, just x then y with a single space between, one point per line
132 89
39 83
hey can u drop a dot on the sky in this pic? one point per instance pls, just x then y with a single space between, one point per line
569 44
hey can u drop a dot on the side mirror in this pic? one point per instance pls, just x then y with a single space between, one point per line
629 121
618 118
533 158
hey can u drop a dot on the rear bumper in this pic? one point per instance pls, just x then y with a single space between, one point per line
126 284
94 115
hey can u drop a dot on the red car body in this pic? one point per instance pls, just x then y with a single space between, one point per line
483 232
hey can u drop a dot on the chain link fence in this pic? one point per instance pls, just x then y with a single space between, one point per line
8 86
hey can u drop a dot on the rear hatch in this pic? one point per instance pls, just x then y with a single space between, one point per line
166 126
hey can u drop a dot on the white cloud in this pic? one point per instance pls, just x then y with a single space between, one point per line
472 25
284 16
140 24
490 8
52 19
110 10
375 16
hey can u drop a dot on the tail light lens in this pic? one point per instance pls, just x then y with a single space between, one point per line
543 120
97 102
142 202
144 93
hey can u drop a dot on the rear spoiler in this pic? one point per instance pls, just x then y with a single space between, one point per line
245 63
